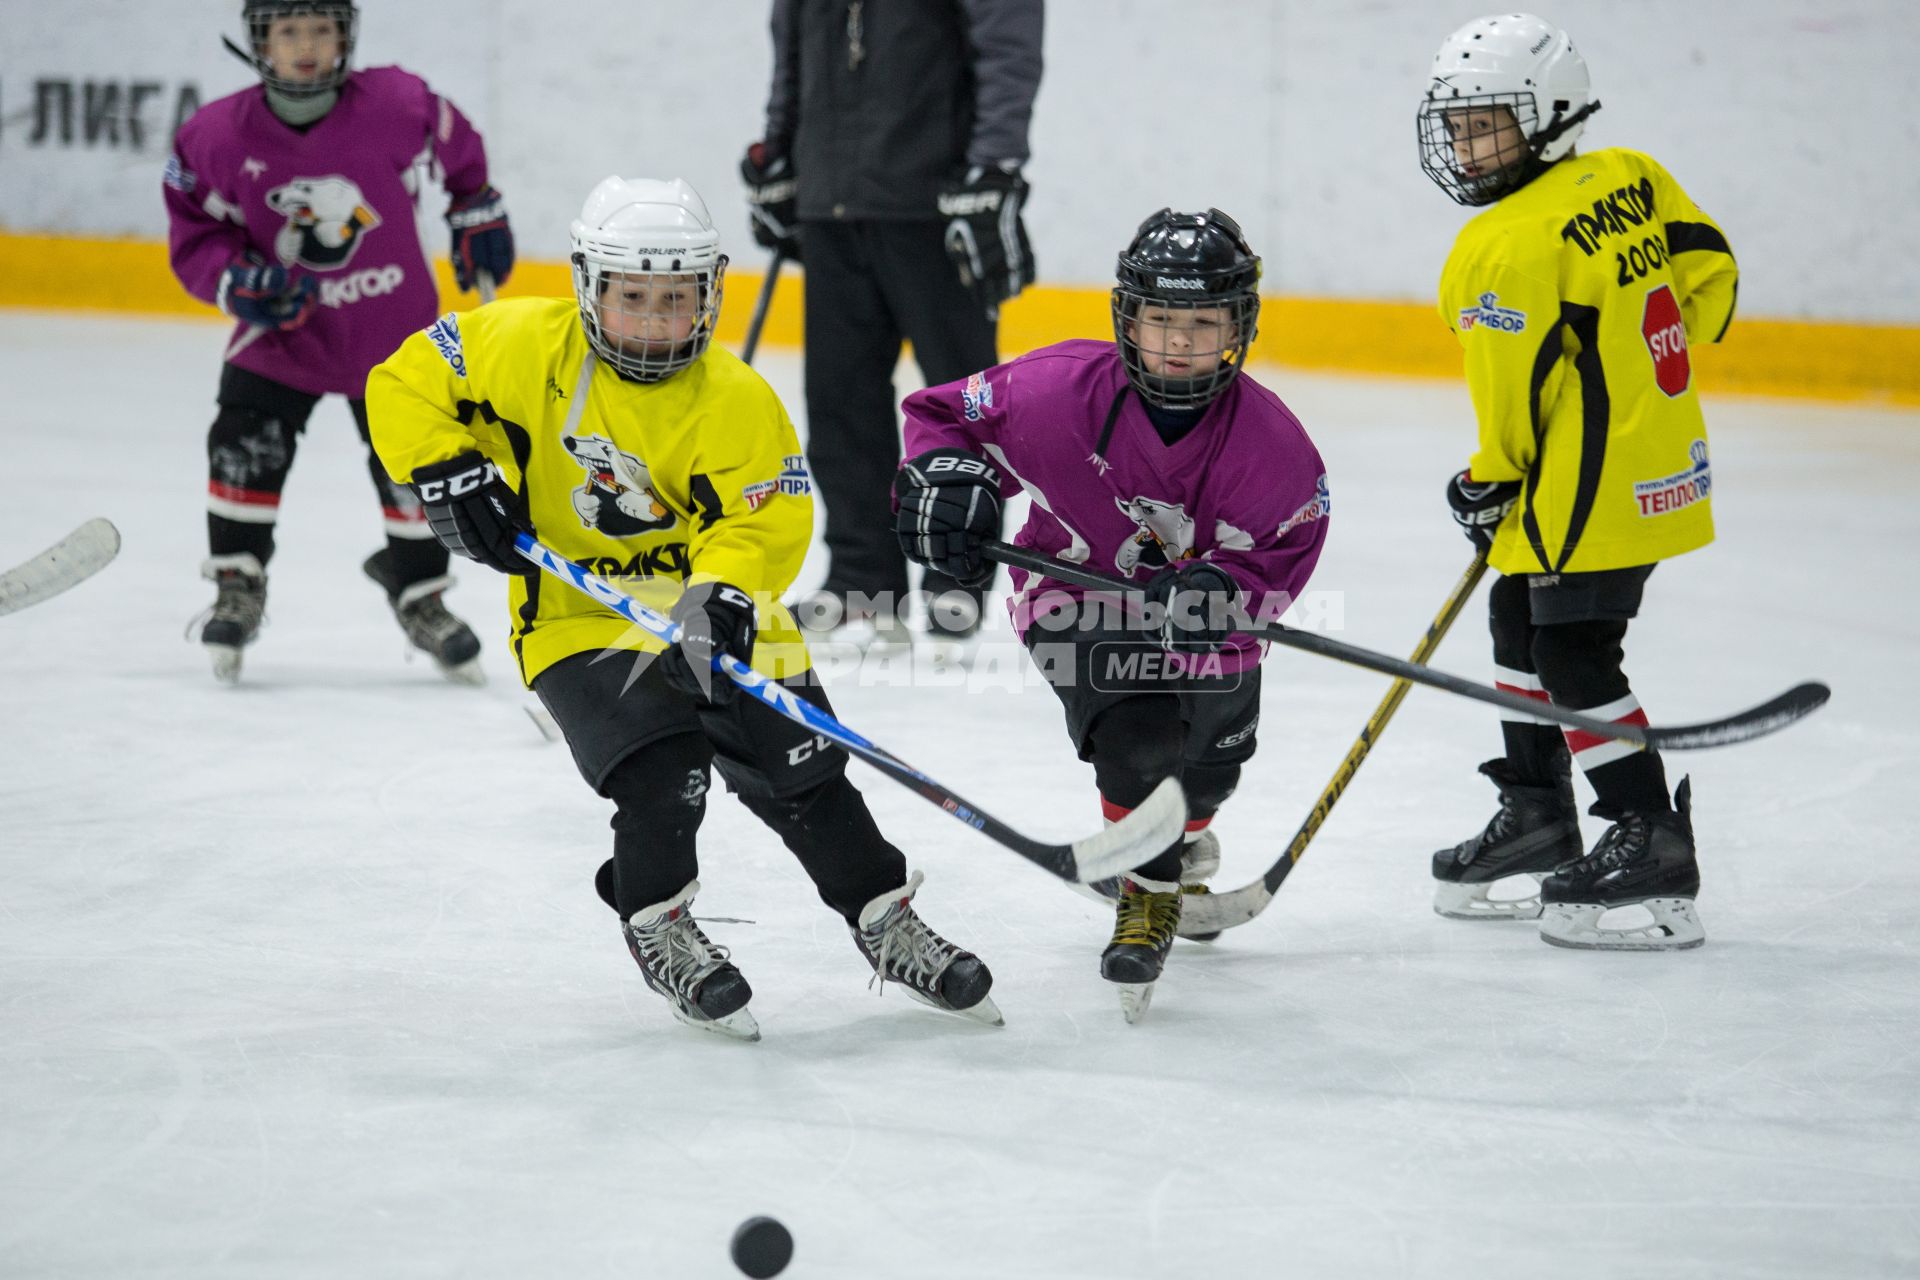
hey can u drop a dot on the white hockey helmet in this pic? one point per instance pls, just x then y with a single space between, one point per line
635 238
1512 60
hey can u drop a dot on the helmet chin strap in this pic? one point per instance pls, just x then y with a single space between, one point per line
1559 124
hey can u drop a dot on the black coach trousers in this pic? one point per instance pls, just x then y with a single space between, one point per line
871 284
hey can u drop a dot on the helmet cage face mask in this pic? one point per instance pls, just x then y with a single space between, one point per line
652 303
1188 290
1445 121
259 17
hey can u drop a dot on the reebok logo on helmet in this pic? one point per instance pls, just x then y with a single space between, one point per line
1175 282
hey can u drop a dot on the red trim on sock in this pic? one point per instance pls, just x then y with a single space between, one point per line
1579 740
1113 812
246 497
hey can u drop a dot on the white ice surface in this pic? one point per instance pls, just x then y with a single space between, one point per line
307 977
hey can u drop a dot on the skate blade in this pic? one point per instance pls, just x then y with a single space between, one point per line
1470 901
469 672
226 662
543 721
986 1013
1674 926
1135 997
738 1025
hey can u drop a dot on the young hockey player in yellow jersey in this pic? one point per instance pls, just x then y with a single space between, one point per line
1575 296
608 426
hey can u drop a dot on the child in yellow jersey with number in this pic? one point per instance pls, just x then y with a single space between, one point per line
608 426
1576 296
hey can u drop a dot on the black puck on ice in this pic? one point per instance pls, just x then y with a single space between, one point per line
762 1247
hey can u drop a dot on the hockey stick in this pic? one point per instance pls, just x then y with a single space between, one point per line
68 562
1145 832
483 281
761 304
1742 726
1209 913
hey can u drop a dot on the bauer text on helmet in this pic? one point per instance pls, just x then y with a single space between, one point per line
647 273
1508 96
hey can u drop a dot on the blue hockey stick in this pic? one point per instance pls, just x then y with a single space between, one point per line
1137 838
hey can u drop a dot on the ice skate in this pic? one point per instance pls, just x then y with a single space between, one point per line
1536 830
238 610
1199 861
698 980
1643 861
423 615
1146 917
903 949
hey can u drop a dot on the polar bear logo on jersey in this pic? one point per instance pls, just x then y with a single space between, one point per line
1164 535
327 218
618 498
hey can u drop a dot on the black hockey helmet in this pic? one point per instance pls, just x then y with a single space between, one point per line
1185 263
257 16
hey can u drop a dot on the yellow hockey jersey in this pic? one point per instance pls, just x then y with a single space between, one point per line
1576 300
698 477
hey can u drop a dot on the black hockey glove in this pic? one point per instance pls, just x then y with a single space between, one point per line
948 508
714 617
472 511
771 203
1478 508
482 240
986 236
258 294
1196 603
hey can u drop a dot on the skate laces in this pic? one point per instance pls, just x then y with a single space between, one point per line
428 623
1620 844
904 948
241 599
680 953
1146 919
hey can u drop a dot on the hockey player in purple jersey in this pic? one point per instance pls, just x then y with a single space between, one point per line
291 208
1154 458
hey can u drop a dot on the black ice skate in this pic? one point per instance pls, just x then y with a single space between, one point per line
1145 918
234 621
423 615
1644 860
700 983
1536 830
903 949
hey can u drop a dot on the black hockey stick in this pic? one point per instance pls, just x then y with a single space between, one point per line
1209 913
1743 726
1137 838
761 304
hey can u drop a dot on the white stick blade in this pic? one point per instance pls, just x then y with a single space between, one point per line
72 560
1139 837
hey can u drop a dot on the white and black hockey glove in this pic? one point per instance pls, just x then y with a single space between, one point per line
948 509
714 617
986 236
472 511
1191 606
1479 507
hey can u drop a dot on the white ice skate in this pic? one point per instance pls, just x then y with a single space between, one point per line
699 981
903 949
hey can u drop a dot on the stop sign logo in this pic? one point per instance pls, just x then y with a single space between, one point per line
1666 335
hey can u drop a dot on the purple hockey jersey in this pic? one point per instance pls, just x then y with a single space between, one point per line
1244 490
335 201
